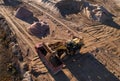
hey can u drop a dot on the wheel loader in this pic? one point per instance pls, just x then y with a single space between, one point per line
54 54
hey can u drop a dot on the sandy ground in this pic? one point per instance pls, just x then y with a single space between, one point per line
117 2
101 54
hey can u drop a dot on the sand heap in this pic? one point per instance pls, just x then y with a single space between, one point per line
96 12
39 29
93 12
23 13
67 7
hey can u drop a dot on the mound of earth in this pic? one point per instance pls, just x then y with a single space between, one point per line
96 12
23 13
39 29
67 7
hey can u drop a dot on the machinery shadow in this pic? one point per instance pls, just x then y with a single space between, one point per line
60 77
87 68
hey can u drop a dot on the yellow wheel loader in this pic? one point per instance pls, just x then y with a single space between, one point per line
53 54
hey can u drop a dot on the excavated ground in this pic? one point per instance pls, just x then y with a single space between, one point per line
103 38
100 60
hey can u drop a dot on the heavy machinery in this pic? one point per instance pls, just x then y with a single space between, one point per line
67 48
53 54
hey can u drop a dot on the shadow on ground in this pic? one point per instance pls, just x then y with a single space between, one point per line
61 77
86 68
68 7
46 1
11 3
112 24
30 20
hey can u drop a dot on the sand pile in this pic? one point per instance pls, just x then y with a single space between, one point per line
92 11
67 7
39 29
23 13
96 12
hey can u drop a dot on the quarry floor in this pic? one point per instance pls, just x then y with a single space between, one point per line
100 57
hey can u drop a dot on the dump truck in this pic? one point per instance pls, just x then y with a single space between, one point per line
53 55
49 58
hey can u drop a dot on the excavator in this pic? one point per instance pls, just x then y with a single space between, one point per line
53 55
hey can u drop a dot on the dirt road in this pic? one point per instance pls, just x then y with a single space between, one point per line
117 2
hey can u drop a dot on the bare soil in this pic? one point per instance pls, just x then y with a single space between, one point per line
99 58
6 56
